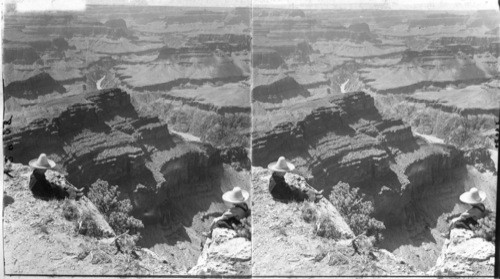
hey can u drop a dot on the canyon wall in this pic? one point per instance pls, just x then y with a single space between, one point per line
346 139
101 136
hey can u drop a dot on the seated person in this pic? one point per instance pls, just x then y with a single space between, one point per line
238 209
42 188
280 190
469 218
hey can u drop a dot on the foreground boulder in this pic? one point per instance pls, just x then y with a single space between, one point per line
224 254
465 255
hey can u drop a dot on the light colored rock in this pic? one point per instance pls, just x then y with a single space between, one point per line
224 254
465 255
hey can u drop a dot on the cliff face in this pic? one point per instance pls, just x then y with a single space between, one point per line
465 255
102 136
346 139
276 92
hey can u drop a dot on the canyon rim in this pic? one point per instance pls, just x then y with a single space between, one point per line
157 113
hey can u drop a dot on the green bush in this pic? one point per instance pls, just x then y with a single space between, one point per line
326 228
355 210
486 227
115 211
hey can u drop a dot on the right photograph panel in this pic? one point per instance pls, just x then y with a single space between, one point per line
373 143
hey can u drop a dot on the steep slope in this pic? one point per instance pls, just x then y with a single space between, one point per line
39 240
285 244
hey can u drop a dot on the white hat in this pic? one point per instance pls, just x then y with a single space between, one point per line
236 195
42 162
282 165
473 196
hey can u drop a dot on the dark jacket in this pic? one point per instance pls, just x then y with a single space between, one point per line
41 187
280 190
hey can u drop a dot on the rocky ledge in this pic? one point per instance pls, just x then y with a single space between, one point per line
224 254
284 243
465 255
39 239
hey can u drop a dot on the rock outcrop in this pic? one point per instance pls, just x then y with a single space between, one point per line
224 254
345 138
359 27
31 88
465 255
481 159
102 136
278 91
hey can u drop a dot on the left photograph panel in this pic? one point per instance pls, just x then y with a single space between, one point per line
126 140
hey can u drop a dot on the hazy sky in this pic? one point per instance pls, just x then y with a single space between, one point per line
300 4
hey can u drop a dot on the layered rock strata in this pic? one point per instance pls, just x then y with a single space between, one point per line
344 138
102 136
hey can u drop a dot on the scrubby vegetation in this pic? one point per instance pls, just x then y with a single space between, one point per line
70 211
326 228
88 226
115 211
356 210
308 213
487 227
323 225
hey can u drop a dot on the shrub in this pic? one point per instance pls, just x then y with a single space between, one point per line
88 226
355 210
308 213
326 228
115 211
70 211
486 227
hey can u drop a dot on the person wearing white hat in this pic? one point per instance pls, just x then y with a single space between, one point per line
282 191
238 209
41 187
469 218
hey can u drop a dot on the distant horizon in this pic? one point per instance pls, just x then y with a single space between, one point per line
395 5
